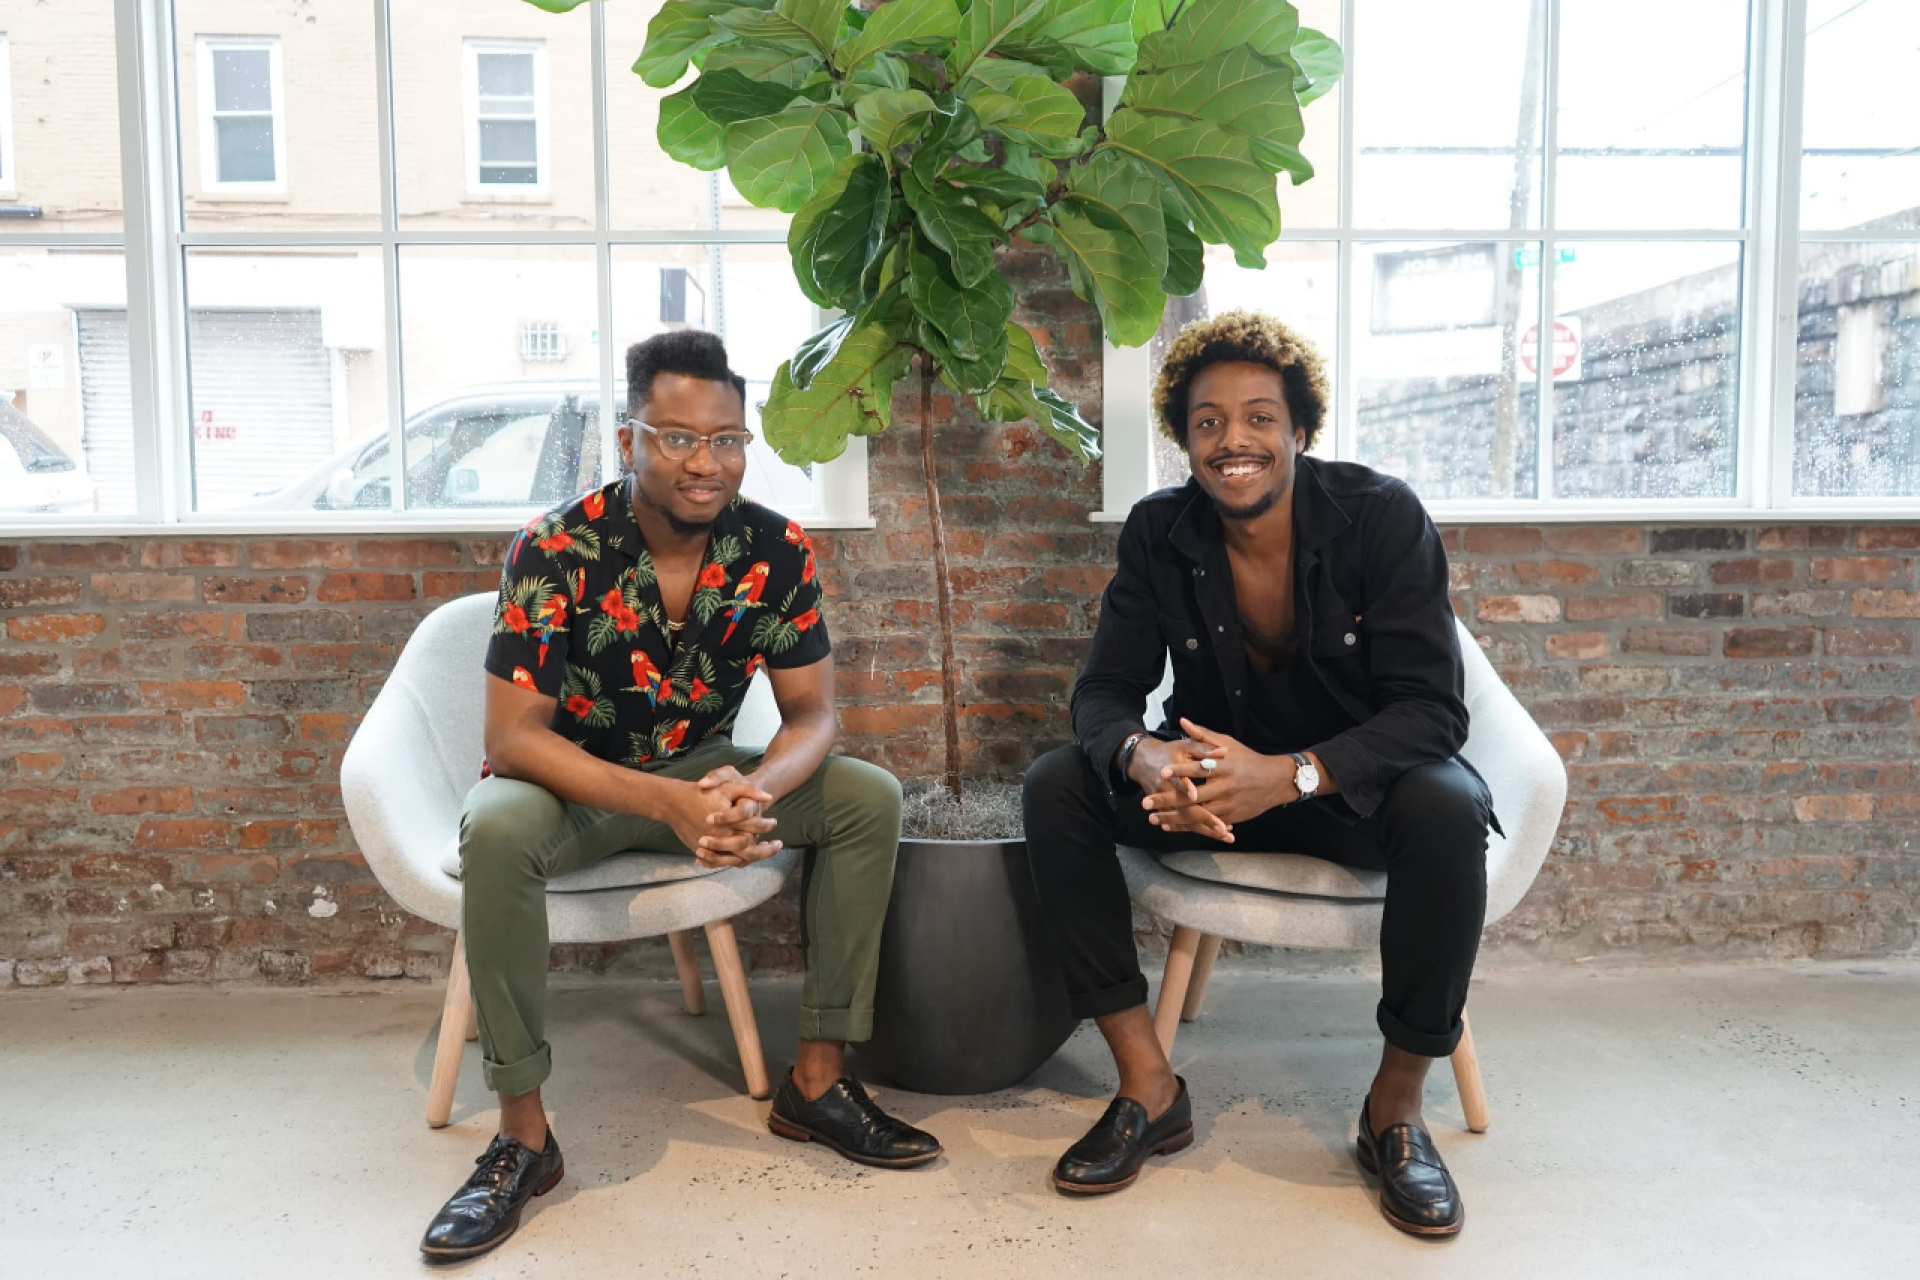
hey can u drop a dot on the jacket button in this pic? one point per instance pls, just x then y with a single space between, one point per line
1221 630
1350 639
1193 644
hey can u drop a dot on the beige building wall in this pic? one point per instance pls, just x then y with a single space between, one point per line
66 122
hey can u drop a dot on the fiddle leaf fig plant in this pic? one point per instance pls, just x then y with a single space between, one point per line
913 139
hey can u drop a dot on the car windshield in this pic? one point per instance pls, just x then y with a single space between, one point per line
38 454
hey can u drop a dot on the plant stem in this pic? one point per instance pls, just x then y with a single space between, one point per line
949 680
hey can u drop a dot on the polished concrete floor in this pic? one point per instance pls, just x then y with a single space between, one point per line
1652 1122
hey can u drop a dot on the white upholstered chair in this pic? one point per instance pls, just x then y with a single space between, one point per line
1289 900
404 777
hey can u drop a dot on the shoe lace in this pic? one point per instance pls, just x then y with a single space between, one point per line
497 1163
871 1109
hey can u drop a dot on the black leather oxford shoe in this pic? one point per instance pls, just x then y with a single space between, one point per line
1111 1154
1417 1194
845 1119
486 1209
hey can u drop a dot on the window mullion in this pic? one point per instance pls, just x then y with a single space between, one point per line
1779 249
611 412
390 253
1547 327
1346 425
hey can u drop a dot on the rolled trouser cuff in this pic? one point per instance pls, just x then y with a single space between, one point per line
1424 1043
523 1076
836 1024
1098 1004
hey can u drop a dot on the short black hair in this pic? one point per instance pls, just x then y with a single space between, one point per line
694 353
1242 336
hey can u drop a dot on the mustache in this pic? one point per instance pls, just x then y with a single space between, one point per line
1219 458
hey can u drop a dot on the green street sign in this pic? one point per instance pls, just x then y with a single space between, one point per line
1530 256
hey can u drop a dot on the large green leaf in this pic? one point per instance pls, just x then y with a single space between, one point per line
962 231
1019 101
852 394
1097 33
788 64
1023 356
909 24
972 377
1019 160
973 319
728 96
1321 64
1208 28
1224 190
818 351
557 6
1186 256
686 134
1116 184
777 161
1064 423
837 233
681 29
947 134
996 183
882 71
1238 90
1110 268
988 22
890 118
776 24
1150 16
820 19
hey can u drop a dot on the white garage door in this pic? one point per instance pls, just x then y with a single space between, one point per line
262 402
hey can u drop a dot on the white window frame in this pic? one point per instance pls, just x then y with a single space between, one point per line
1769 237
471 49
9 158
210 181
156 242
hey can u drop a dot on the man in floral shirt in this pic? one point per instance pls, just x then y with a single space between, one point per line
628 627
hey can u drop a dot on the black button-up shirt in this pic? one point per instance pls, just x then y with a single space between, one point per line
1372 614
579 618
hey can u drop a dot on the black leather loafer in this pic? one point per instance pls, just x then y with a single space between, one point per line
845 1119
486 1209
1417 1194
1110 1156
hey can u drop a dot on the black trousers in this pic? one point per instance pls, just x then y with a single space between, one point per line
1429 835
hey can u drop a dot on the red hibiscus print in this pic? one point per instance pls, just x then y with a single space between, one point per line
596 505
556 542
516 618
612 602
699 689
807 570
713 576
580 705
806 621
666 690
625 619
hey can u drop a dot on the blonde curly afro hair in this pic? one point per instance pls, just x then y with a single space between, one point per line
1235 336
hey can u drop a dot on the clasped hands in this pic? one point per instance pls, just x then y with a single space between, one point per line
722 818
1207 781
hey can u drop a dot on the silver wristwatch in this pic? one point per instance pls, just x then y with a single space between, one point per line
1306 778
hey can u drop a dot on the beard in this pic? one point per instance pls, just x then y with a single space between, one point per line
681 527
1252 511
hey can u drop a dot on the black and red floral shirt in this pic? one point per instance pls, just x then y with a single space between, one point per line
579 618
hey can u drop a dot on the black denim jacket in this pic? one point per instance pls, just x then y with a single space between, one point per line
1375 618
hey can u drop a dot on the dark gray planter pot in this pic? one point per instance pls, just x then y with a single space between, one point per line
970 998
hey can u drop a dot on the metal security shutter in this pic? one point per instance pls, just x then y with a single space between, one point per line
106 407
262 402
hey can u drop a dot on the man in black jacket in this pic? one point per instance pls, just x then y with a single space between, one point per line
1316 708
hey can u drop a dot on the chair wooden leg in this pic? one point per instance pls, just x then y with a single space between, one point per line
1202 971
1173 986
454 1017
688 967
1466 1074
733 993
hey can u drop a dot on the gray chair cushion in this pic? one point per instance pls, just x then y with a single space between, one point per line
622 871
1278 873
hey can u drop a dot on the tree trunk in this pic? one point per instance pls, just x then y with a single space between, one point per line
949 678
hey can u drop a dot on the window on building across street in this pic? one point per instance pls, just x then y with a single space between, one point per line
243 137
506 119
1663 200
381 253
7 183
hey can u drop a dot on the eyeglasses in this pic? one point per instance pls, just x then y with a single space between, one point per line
726 446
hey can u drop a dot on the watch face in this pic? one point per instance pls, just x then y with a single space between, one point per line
1307 779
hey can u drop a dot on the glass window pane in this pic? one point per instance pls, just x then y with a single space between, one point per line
508 142
1316 203
1297 288
246 148
66 405
1859 129
59 118
287 366
324 120
746 294
1443 401
650 190
472 374
506 74
435 106
1857 371
1447 113
1680 127
1645 368
242 80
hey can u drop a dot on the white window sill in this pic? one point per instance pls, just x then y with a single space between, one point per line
374 524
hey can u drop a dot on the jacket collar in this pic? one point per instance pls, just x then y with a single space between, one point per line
1317 517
